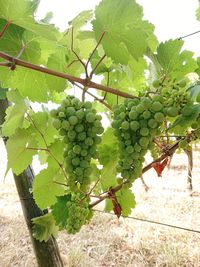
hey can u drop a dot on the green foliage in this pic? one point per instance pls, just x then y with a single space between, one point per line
33 85
57 61
126 200
23 17
79 156
195 92
108 157
60 212
19 156
46 187
175 63
14 114
3 92
44 227
129 35
43 123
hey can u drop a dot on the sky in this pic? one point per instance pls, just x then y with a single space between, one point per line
172 18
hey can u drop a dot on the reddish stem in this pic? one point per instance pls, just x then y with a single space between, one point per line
68 77
5 28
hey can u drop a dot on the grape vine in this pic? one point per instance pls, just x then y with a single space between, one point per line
150 105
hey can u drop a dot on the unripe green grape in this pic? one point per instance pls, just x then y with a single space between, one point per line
134 125
54 113
137 147
146 102
57 123
187 110
80 114
71 134
144 141
140 108
144 131
73 120
156 106
81 136
122 115
156 83
172 111
125 125
159 117
182 83
77 149
133 114
75 102
194 125
97 139
88 105
61 114
70 111
90 117
100 130
65 125
152 123
157 97
75 161
146 114
84 152
79 128
129 149
89 141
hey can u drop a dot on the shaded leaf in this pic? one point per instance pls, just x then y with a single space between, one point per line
60 212
44 227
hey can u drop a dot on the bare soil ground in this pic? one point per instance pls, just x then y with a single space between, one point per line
108 242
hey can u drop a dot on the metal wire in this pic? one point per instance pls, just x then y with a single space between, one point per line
154 222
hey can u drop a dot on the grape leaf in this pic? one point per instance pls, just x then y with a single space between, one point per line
43 125
108 157
126 36
127 201
57 150
15 114
60 212
195 92
23 16
3 92
81 19
57 61
45 188
30 84
19 157
174 62
14 118
44 227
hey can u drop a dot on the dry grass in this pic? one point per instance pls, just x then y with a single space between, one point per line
107 242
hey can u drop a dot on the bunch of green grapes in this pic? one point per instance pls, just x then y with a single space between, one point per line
79 213
176 98
184 144
81 127
136 122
